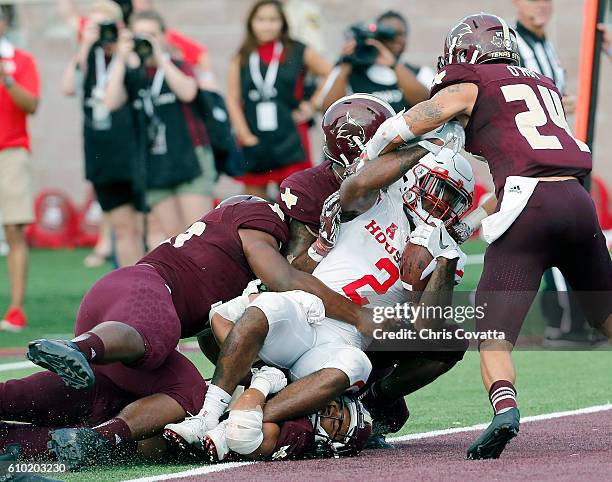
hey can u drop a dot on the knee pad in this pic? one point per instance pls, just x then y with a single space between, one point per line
353 362
244 431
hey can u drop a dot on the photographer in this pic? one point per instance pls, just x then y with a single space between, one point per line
370 63
108 138
180 171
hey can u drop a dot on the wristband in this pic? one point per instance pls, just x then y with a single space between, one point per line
314 255
402 129
261 384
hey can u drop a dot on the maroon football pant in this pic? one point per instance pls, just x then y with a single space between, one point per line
45 402
136 296
558 227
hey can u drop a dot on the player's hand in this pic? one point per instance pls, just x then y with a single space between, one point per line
312 305
449 135
268 377
436 239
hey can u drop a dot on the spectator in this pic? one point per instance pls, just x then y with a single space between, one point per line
108 138
400 84
183 47
265 98
19 94
180 169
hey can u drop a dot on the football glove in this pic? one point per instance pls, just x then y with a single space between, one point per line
268 380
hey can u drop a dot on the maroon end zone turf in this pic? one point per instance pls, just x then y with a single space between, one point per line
563 449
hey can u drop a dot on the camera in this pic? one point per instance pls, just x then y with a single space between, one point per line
364 54
142 47
109 32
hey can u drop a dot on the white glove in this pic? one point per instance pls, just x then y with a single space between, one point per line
252 288
451 132
268 380
436 239
386 132
312 305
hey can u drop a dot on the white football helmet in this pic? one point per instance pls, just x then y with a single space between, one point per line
440 187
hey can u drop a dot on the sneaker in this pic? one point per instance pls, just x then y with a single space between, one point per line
14 320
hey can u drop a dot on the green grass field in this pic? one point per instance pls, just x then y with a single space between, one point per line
548 381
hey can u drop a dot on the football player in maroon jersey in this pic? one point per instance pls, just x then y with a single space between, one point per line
131 320
514 119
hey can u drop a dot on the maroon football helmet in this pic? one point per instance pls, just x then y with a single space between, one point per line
478 39
240 198
346 444
349 123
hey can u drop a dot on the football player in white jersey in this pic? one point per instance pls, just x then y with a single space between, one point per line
289 330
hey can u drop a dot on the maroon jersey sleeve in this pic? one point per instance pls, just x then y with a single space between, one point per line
264 216
454 74
302 194
295 441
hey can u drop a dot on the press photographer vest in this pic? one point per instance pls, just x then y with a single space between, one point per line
281 146
165 133
109 138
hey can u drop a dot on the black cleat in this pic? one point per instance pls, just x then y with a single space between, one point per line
78 447
492 442
64 358
377 442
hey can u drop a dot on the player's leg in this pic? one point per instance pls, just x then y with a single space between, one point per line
320 375
273 327
127 316
163 396
585 261
513 269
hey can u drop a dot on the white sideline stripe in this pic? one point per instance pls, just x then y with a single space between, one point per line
480 426
209 469
7 367
415 436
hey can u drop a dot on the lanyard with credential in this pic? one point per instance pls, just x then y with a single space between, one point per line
101 68
153 93
266 86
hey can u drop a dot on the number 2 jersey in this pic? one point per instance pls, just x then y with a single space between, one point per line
206 263
517 124
364 264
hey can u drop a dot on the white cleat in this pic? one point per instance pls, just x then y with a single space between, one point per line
190 431
215 444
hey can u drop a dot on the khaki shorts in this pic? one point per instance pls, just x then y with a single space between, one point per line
16 190
204 184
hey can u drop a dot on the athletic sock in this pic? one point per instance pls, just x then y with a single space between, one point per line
91 345
502 396
115 431
215 402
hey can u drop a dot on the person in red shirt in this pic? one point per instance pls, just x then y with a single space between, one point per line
19 93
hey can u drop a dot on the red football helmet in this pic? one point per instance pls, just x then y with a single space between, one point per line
349 123
478 39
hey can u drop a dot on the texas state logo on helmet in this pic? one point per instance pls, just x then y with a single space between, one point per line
478 39
349 123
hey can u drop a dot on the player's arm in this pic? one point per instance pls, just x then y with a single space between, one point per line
296 250
358 192
453 102
261 251
253 399
438 292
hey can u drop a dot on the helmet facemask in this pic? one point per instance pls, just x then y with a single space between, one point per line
436 195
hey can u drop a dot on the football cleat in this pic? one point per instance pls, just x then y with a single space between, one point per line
189 432
78 447
64 358
215 444
492 442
